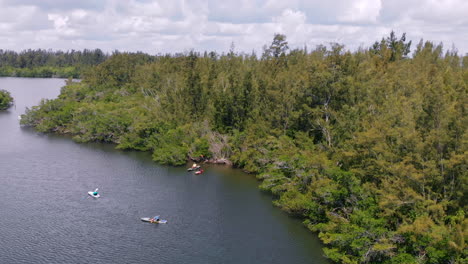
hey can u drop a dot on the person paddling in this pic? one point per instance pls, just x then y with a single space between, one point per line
155 219
95 192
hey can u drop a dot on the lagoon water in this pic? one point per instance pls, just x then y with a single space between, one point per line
46 215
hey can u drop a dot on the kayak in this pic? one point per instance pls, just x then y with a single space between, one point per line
91 193
148 219
193 168
199 172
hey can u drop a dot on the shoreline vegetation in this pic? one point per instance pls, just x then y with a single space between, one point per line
369 147
5 100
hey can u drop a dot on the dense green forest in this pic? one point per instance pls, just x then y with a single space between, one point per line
5 99
47 63
368 147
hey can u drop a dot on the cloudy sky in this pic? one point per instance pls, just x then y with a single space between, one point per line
168 26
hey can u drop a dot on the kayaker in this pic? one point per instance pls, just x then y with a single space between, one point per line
194 165
95 192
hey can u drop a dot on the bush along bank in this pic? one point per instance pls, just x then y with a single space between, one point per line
5 100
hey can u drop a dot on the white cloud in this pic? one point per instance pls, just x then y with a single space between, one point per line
362 11
181 25
442 11
290 19
60 22
293 25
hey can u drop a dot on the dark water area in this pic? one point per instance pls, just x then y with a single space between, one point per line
46 215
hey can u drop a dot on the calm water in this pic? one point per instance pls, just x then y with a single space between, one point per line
46 215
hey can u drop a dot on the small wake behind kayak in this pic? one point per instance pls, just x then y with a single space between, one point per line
150 220
91 193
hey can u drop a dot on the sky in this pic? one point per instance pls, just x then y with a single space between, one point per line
170 26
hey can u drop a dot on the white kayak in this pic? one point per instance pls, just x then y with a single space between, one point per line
91 193
149 219
193 168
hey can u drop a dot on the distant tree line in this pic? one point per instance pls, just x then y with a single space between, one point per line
368 147
48 63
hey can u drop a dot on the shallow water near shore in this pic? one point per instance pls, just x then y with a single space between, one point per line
47 217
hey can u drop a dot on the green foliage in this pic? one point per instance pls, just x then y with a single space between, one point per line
392 49
368 147
117 71
47 64
403 258
201 148
5 99
41 72
278 47
171 148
